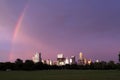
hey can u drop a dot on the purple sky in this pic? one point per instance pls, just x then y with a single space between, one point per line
60 26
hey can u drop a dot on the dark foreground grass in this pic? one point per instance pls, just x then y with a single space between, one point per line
61 75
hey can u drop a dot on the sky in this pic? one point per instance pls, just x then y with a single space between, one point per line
59 26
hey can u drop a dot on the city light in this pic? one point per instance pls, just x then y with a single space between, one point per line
61 60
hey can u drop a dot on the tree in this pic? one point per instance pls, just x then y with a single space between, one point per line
98 65
111 65
39 66
18 64
19 61
28 65
119 57
8 66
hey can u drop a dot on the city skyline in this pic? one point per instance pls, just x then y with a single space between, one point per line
62 60
59 26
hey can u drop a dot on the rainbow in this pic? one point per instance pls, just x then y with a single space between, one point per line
16 31
19 22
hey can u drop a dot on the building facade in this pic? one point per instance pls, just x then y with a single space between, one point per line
37 57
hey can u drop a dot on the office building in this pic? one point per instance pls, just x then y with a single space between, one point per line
60 60
81 59
37 57
67 61
49 62
81 56
72 60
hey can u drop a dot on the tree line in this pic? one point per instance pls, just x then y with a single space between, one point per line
29 65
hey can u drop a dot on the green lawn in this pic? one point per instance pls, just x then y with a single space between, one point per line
61 75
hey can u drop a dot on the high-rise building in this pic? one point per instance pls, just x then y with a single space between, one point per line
81 56
72 60
85 61
60 59
89 62
49 62
44 61
81 59
37 57
66 61
59 56
97 61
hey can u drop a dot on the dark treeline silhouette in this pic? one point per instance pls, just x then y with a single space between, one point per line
29 65
119 57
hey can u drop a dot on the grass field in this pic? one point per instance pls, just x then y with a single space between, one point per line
61 75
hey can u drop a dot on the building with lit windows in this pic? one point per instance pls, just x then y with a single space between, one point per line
60 60
81 59
37 57
72 60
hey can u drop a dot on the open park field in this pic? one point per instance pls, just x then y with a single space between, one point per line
61 75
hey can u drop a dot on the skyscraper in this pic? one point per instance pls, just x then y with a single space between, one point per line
81 59
81 56
37 57
60 59
49 62
72 60
67 61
